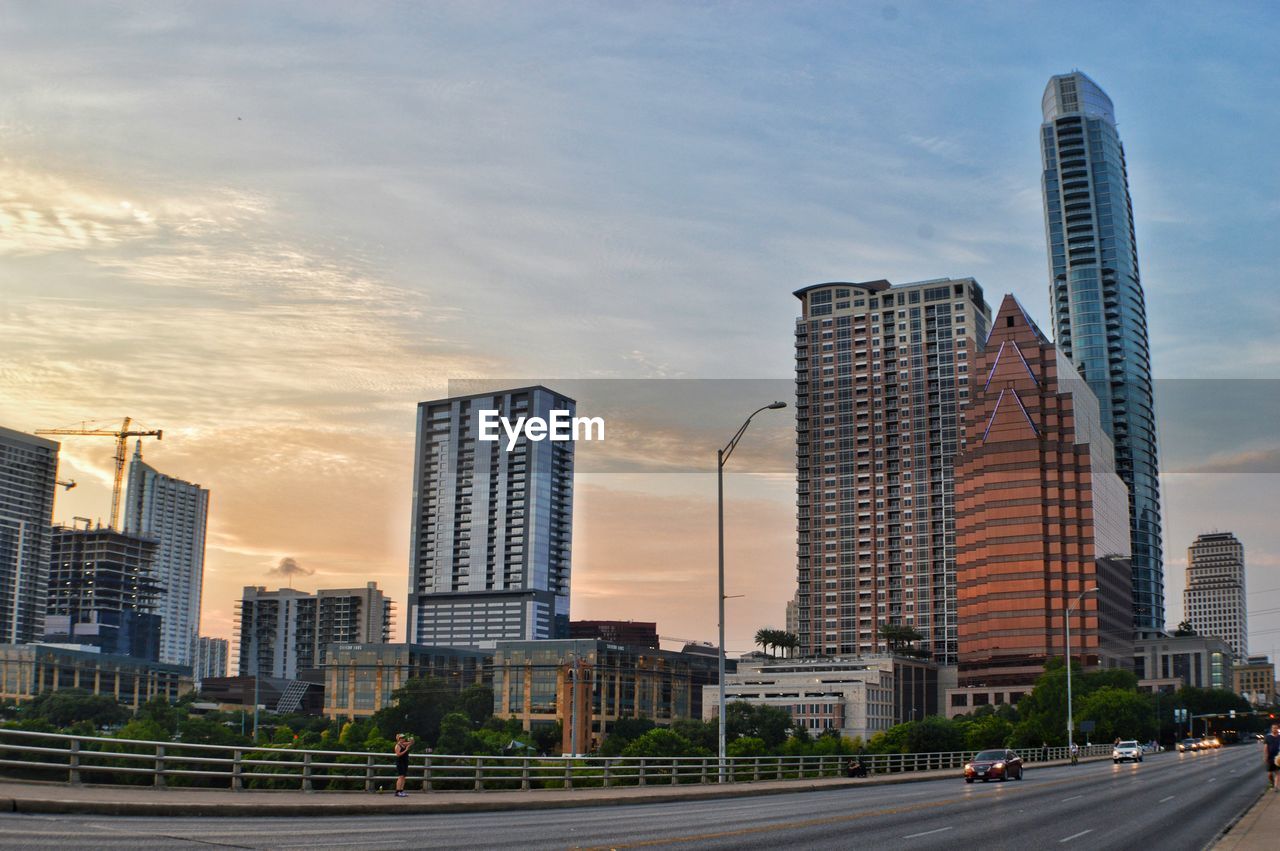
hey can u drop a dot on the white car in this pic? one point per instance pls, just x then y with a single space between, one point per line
1128 749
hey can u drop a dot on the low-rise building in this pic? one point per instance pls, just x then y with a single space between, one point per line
1255 680
858 696
587 685
27 670
629 633
273 694
360 678
1163 661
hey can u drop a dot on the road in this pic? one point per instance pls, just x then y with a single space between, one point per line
1169 802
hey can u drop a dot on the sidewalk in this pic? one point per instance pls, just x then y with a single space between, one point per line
147 801
1258 829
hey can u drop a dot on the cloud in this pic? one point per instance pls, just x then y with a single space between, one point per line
288 568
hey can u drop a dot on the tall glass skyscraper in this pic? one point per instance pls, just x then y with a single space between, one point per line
1099 315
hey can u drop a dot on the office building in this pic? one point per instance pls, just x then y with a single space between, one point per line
289 632
1214 600
361 678
102 592
1167 663
1255 680
1041 516
28 670
491 527
28 476
629 633
1099 312
854 696
281 696
208 658
882 381
174 514
587 685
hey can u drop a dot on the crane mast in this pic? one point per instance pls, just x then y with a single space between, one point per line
122 436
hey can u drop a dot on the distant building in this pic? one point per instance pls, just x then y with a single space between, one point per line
588 685
289 632
491 528
1214 601
882 381
209 658
174 514
854 696
1165 663
1255 680
793 617
28 476
102 592
360 678
1041 518
273 694
630 633
27 670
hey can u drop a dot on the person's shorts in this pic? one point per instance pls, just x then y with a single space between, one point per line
1271 765
402 766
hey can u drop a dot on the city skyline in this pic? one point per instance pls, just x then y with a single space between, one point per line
312 267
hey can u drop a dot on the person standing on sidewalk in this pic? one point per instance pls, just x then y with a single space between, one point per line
403 743
1271 749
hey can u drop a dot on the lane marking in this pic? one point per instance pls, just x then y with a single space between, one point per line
1211 779
1075 836
926 833
1072 798
1162 800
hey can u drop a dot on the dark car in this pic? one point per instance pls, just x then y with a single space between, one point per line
993 765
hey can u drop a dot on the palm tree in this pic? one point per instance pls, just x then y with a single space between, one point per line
764 637
791 643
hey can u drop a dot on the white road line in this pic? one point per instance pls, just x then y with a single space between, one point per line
926 833
1075 836
1211 779
1162 800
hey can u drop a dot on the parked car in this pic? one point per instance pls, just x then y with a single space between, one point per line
1188 745
993 765
1126 750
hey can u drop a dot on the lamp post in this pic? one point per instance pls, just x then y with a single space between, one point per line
1067 624
722 456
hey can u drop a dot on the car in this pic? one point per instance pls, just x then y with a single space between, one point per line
1211 742
1126 750
1188 745
998 764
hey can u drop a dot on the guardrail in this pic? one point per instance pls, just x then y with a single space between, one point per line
89 759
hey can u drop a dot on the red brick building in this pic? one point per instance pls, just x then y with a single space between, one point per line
1040 516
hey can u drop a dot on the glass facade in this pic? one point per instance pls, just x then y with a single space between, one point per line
1098 305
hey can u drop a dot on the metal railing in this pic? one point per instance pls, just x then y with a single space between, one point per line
87 759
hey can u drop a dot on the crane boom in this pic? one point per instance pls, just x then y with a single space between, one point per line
122 436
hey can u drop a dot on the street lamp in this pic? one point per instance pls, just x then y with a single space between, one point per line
722 455
1067 624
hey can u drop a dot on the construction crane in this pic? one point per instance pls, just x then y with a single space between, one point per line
122 436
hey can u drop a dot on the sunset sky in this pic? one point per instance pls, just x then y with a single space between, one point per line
271 229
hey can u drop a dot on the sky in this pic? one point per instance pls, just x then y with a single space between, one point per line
271 229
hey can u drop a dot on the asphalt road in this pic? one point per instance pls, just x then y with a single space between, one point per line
1169 802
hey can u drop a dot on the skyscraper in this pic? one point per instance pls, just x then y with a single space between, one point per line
1041 516
1099 313
208 658
491 528
291 631
174 514
28 476
882 381
1214 600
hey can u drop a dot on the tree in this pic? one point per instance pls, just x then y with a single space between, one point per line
1117 713
768 723
898 637
476 702
701 734
66 707
418 707
624 732
789 642
663 743
455 734
989 731
1184 630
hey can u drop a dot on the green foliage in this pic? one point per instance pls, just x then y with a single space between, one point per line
1117 713
165 715
778 639
987 731
419 705
66 707
624 732
768 723
1184 630
701 734
747 746
476 702
455 734
661 742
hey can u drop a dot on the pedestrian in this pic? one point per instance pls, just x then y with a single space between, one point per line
1075 753
403 743
1044 751
1271 750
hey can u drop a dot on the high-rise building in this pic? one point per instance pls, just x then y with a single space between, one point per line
208 658
491 527
1099 313
1041 516
882 381
290 631
1214 600
174 514
626 633
103 592
28 476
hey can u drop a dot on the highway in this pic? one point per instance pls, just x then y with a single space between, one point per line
1169 802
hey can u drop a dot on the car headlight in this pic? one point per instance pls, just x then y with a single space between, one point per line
968 766
998 766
